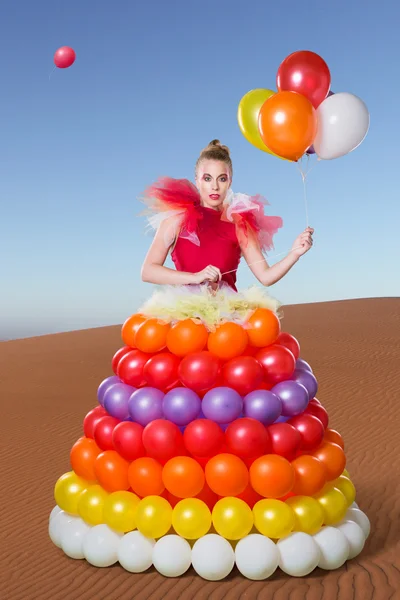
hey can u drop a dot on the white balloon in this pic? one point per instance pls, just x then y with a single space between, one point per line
357 515
56 525
100 546
54 512
355 537
343 123
299 554
212 557
257 557
333 546
72 536
135 552
172 556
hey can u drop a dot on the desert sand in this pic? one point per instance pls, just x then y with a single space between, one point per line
49 383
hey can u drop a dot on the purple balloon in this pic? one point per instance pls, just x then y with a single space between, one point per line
145 405
262 405
103 387
307 379
116 399
293 395
222 405
181 406
282 419
302 364
310 150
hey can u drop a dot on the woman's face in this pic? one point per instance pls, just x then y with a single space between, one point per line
213 180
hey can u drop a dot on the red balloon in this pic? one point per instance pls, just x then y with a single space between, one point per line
250 496
91 420
311 431
289 341
163 440
203 438
199 370
127 440
316 409
131 366
243 374
285 440
103 432
117 357
306 73
161 370
247 438
64 57
278 363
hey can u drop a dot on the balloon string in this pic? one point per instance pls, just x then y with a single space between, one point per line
54 68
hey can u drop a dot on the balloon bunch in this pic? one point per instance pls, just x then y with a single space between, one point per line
303 116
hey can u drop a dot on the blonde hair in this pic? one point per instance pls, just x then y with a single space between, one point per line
215 151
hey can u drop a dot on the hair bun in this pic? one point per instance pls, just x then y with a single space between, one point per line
217 144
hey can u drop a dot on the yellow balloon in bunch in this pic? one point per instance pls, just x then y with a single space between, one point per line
273 518
308 514
333 504
347 488
120 509
68 490
346 474
191 518
153 516
232 518
91 504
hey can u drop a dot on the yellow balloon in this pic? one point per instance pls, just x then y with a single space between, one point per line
91 504
308 514
119 511
333 504
232 518
153 516
347 488
248 111
273 518
191 518
68 490
346 474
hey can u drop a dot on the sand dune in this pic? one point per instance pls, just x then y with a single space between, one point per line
49 383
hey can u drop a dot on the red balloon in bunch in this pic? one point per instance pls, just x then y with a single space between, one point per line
306 73
117 357
203 438
91 420
127 440
289 341
199 370
278 363
316 409
285 440
310 429
103 432
250 496
131 367
161 370
163 440
243 374
247 438
208 496
64 57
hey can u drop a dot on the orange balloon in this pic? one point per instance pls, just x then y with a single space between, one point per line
227 475
186 336
331 435
82 456
264 328
130 327
145 477
151 336
183 477
111 471
228 341
332 457
288 124
272 476
309 475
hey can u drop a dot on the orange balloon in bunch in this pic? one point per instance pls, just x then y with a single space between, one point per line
145 477
82 457
331 435
186 336
288 124
227 475
272 476
183 477
263 327
228 341
151 336
310 475
130 327
112 471
332 457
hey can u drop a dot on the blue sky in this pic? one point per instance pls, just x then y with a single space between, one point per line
153 83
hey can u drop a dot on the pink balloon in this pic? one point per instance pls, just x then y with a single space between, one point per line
64 57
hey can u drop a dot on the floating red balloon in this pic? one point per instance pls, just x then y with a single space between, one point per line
103 432
163 440
306 73
127 440
161 370
64 57
277 361
311 430
243 374
199 370
285 440
247 438
203 438
131 366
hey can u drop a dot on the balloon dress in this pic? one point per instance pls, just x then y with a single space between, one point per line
208 446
